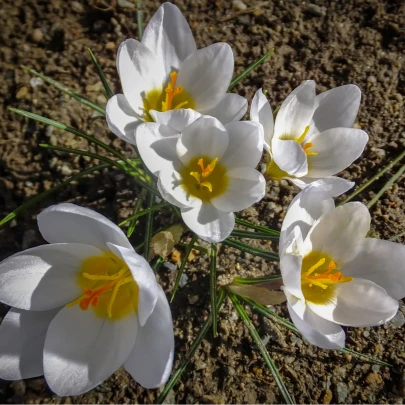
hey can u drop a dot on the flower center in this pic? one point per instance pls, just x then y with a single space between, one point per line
171 98
108 287
306 146
319 275
204 180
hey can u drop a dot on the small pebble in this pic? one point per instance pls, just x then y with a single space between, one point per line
37 35
35 82
372 79
374 379
366 334
77 7
183 280
22 93
239 4
110 46
170 266
315 10
125 4
342 392
193 299
66 170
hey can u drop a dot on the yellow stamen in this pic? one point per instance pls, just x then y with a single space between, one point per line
315 266
171 91
306 147
120 283
101 277
196 175
301 138
207 184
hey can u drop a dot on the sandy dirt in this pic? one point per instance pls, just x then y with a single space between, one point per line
333 42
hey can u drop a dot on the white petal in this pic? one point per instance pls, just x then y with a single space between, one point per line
340 232
206 75
169 37
246 186
290 267
157 146
82 350
232 107
43 277
245 144
144 277
22 337
381 262
336 149
260 112
176 119
121 118
171 189
336 184
336 108
290 157
69 223
358 303
151 360
318 331
139 72
209 223
296 111
205 137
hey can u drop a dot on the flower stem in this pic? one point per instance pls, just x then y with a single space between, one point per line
236 233
213 287
144 212
149 226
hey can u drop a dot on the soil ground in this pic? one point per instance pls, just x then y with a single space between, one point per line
332 42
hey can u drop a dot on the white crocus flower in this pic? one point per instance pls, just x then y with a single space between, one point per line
165 71
82 307
332 273
312 137
205 168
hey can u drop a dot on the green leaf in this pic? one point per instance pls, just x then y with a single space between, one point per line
243 247
189 248
42 195
397 236
257 280
259 228
249 69
387 186
273 316
73 131
262 348
237 233
156 207
101 75
82 153
373 179
184 363
67 91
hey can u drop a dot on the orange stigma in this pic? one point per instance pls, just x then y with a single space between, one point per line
172 91
326 278
205 172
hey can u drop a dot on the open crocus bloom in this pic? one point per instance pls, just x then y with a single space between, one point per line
166 72
205 168
333 275
83 306
312 137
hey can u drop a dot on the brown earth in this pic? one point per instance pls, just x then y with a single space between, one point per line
332 42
